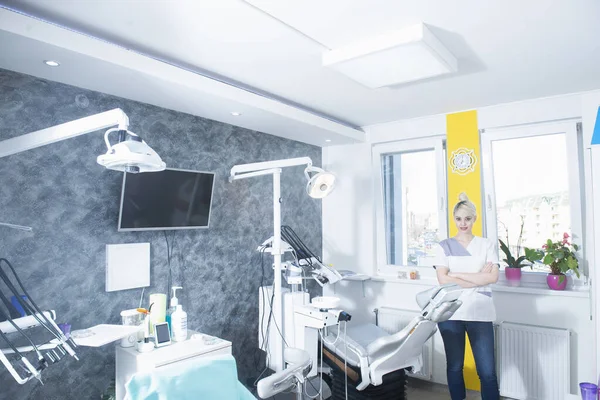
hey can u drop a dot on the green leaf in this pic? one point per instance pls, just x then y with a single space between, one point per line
549 243
573 265
532 255
548 259
575 247
505 249
561 279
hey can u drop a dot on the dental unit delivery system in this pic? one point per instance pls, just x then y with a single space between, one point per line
55 349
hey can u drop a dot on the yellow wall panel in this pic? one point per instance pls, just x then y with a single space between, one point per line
464 175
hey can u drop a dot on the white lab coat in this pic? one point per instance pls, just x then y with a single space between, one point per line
477 302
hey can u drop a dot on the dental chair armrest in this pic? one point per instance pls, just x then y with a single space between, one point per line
298 368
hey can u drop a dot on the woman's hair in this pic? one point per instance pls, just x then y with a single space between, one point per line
463 201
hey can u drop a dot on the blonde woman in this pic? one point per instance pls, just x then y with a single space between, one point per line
471 262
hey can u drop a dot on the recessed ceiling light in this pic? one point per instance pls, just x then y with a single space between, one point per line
52 63
236 114
328 140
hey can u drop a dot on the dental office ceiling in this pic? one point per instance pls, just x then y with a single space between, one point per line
263 58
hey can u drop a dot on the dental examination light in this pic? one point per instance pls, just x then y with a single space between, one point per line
319 186
130 154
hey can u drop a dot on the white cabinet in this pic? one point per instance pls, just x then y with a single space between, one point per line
129 361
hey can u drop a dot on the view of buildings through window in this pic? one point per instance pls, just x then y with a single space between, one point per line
532 189
530 185
411 196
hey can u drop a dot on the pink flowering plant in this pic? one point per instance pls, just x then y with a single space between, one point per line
559 256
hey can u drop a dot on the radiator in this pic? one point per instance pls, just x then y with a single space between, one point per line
533 362
393 320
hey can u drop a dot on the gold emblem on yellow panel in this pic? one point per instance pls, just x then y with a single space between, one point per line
463 161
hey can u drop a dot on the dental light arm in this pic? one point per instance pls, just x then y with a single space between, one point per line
264 168
64 131
130 154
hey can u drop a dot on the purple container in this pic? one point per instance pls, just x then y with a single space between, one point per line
589 391
66 329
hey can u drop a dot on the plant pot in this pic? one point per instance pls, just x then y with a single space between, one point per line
554 281
513 276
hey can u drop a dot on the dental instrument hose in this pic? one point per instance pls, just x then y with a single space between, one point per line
297 244
23 304
10 321
26 307
57 333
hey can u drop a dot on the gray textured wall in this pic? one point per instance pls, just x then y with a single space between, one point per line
72 203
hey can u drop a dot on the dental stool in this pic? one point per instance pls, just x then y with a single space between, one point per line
375 360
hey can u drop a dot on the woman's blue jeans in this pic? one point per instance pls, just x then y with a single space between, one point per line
481 337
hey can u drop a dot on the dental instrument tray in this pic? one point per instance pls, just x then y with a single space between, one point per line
325 302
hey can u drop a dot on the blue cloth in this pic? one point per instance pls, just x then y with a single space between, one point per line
596 135
212 378
481 337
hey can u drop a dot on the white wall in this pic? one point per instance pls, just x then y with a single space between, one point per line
589 104
349 235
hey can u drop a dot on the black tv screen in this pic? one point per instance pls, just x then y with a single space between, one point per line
169 199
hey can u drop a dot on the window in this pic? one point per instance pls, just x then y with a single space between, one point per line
411 205
532 184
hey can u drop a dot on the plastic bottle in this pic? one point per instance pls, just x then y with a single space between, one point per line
172 307
179 324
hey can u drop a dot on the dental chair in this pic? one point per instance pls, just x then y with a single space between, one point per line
376 361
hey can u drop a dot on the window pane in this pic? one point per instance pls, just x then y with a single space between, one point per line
532 189
410 203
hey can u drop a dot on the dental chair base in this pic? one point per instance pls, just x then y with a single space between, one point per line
393 386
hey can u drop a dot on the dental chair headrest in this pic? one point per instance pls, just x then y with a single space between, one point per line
438 294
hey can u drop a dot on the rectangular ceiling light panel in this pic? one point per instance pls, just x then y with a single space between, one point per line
406 55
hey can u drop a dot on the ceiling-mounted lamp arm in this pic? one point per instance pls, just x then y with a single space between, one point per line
64 131
267 165
253 174
309 169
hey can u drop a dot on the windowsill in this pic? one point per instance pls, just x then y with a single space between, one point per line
420 281
579 291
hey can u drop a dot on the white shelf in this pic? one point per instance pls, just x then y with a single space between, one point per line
582 292
540 290
419 282
359 277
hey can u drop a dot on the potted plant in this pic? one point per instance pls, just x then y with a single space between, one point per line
560 257
512 271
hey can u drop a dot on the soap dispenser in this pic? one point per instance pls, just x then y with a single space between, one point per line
179 324
172 307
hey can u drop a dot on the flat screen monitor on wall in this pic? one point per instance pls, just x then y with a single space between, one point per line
166 200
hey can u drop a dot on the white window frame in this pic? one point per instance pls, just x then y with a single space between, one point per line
410 145
575 176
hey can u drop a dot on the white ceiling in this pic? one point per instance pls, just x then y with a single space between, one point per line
507 51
